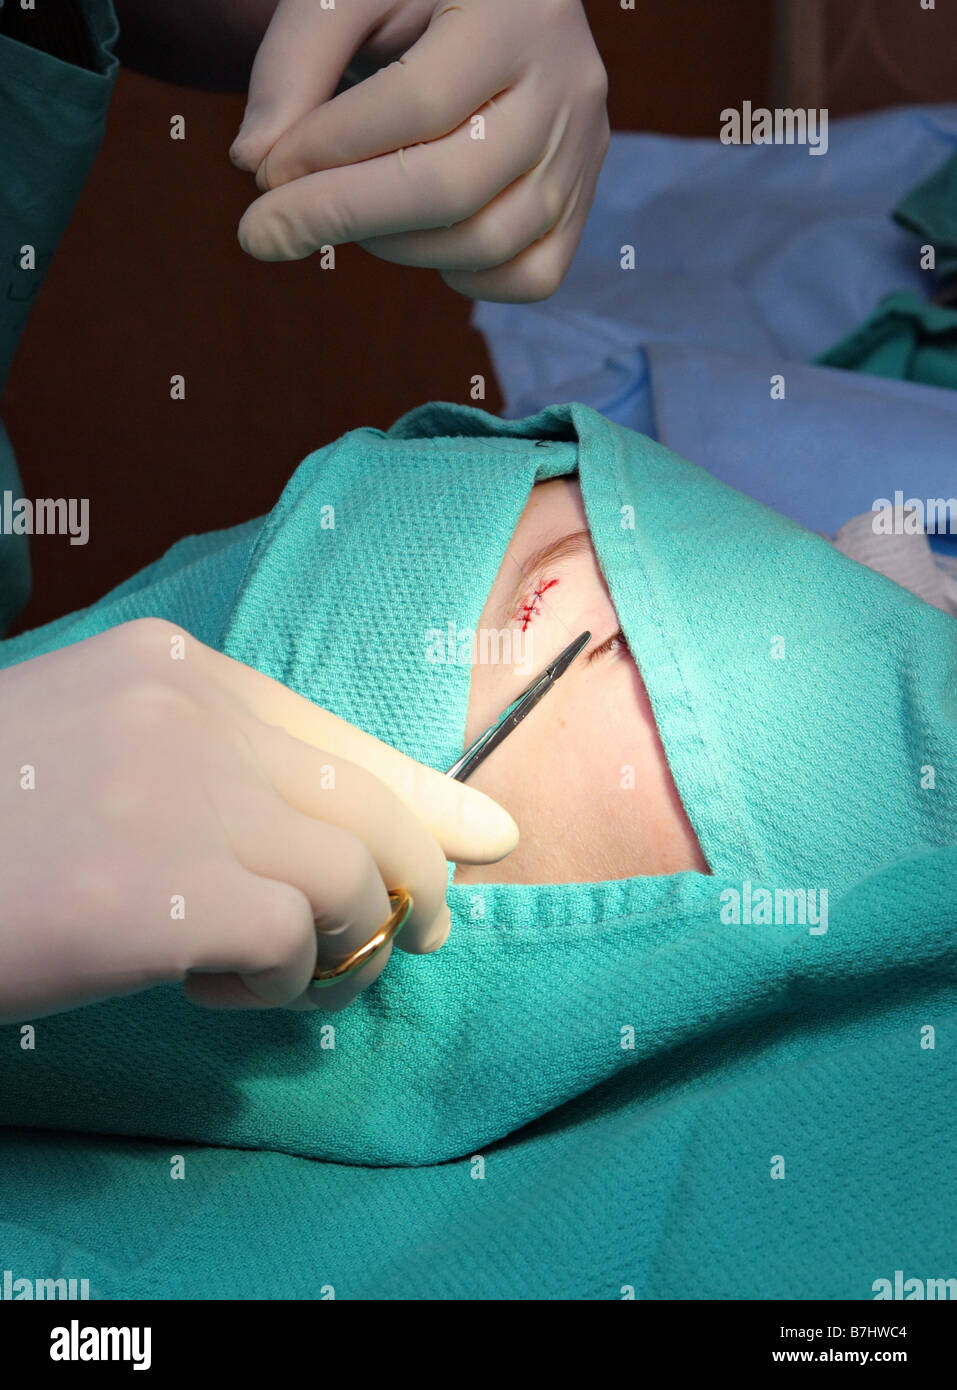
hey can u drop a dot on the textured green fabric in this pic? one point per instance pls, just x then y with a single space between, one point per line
930 212
52 116
628 1064
906 337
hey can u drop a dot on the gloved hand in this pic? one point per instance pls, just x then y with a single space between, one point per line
401 162
194 820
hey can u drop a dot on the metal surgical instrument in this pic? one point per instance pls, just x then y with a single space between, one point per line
400 899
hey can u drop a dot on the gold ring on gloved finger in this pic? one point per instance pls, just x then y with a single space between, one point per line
400 900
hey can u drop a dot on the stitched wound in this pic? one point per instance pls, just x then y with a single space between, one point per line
529 610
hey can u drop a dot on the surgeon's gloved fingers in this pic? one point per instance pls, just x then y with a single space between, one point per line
453 70
330 865
354 842
335 998
523 213
345 910
305 51
232 991
249 941
469 826
538 271
223 991
355 923
431 185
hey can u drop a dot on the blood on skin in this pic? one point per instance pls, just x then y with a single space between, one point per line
530 609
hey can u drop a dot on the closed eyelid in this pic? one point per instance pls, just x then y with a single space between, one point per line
616 644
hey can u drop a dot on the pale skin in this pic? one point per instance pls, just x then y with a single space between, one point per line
560 774
177 771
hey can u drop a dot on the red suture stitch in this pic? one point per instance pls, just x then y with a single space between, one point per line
529 610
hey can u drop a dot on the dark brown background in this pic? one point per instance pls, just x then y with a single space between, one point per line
279 359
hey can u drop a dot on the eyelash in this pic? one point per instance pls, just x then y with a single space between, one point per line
608 647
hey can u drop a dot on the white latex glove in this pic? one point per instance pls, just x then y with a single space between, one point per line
394 163
198 780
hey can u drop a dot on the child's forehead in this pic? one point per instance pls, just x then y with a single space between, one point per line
551 501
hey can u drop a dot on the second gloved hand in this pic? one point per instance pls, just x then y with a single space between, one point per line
475 149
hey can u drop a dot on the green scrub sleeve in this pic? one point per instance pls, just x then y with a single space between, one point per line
52 115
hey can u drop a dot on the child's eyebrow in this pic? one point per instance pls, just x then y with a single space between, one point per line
549 553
